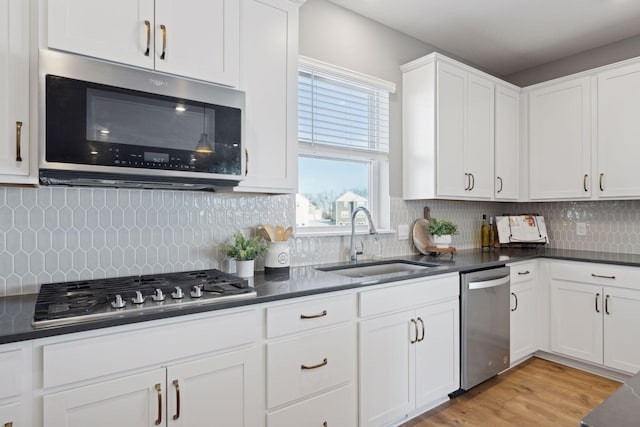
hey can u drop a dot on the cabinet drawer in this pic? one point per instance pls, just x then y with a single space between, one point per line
10 415
597 274
404 295
114 353
336 408
11 371
309 364
309 314
523 272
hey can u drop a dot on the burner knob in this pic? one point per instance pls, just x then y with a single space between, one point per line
118 302
158 296
178 294
138 299
196 292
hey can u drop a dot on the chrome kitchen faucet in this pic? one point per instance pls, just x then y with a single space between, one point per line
353 252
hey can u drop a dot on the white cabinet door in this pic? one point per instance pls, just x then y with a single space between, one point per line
220 390
387 368
452 179
559 140
576 320
478 143
621 320
270 79
523 321
14 91
116 30
437 352
619 132
199 39
507 136
133 401
10 415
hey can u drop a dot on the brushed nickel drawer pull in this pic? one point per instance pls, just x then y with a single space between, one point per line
164 41
148 25
522 273
159 391
602 277
176 384
415 328
319 365
422 325
597 298
313 316
18 141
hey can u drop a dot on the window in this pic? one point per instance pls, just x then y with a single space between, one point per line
343 134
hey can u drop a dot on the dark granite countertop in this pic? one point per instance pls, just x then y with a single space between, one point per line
16 312
621 409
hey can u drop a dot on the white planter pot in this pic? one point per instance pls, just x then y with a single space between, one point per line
443 241
245 268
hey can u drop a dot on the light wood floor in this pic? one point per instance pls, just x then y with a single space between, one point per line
535 393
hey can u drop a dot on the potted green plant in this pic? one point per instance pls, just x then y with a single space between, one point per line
244 251
442 232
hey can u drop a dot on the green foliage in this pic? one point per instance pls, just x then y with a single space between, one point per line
243 249
442 227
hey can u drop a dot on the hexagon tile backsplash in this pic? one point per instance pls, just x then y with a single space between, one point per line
53 234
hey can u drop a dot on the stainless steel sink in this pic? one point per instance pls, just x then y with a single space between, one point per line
378 268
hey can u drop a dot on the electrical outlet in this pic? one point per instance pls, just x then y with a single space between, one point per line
403 232
581 229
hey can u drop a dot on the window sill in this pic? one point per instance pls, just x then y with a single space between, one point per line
333 233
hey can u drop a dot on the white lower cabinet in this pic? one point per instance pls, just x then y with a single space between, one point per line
592 321
523 310
15 385
217 389
408 359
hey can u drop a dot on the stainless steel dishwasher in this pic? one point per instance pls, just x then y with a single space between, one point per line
484 311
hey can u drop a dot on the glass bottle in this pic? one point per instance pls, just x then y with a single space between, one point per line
484 234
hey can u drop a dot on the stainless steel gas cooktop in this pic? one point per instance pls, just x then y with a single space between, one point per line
88 300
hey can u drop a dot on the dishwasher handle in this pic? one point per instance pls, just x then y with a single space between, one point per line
489 283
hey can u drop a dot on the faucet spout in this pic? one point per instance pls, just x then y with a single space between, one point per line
353 252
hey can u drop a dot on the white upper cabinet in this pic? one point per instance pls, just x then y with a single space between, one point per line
618 142
270 80
192 38
507 152
559 140
448 131
14 92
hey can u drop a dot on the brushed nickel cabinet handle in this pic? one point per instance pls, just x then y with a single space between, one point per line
164 41
597 298
148 25
415 328
18 141
176 384
422 327
602 277
473 182
516 299
606 304
584 182
313 316
319 365
500 190
524 272
601 184
467 182
159 391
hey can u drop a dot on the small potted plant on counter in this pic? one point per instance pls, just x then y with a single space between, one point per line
244 251
442 230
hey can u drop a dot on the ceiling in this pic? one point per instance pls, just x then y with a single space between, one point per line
507 36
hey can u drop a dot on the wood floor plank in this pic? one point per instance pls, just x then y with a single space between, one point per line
535 393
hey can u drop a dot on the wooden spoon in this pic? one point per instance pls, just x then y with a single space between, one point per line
287 233
270 233
279 233
263 233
